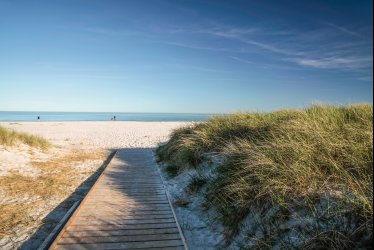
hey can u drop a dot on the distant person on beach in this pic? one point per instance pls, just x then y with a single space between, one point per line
114 118
38 117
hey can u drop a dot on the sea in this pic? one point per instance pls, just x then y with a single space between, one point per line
20 116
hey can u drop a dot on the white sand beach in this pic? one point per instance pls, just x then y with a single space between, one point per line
99 134
79 148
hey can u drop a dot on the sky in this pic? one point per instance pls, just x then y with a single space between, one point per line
184 56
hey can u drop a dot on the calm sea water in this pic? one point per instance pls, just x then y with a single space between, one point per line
7 116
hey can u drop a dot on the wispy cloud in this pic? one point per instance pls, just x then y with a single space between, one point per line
347 63
270 47
217 30
344 30
242 35
319 48
229 32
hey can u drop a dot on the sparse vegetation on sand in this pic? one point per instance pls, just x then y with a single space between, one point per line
9 137
290 178
26 195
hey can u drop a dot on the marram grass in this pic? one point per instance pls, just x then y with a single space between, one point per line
10 137
288 159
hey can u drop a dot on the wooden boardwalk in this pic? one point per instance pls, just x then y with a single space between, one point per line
127 208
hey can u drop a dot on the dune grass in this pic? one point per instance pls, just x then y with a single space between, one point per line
10 137
289 160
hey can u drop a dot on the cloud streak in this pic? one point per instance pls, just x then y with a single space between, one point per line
344 30
319 48
347 63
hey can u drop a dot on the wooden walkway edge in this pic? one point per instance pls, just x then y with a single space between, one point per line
127 208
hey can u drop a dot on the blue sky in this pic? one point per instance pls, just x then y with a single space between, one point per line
183 56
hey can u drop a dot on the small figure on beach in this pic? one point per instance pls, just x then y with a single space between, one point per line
114 118
38 117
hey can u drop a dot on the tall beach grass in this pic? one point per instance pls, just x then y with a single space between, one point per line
9 137
318 160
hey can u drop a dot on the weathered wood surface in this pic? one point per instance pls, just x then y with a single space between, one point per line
127 208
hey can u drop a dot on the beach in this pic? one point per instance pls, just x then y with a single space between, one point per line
79 150
101 134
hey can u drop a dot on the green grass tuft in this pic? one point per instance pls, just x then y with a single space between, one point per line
10 137
287 158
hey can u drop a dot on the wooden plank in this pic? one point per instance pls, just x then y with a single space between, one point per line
121 227
123 245
148 248
120 238
103 221
119 209
136 199
130 202
161 248
87 213
134 195
131 185
139 184
134 178
127 196
82 234
123 218
123 211
131 189
142 181
110 192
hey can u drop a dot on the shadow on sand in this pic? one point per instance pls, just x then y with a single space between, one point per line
55 216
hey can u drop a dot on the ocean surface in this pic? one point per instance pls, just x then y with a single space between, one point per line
11 116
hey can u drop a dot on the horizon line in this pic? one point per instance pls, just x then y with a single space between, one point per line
119 112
